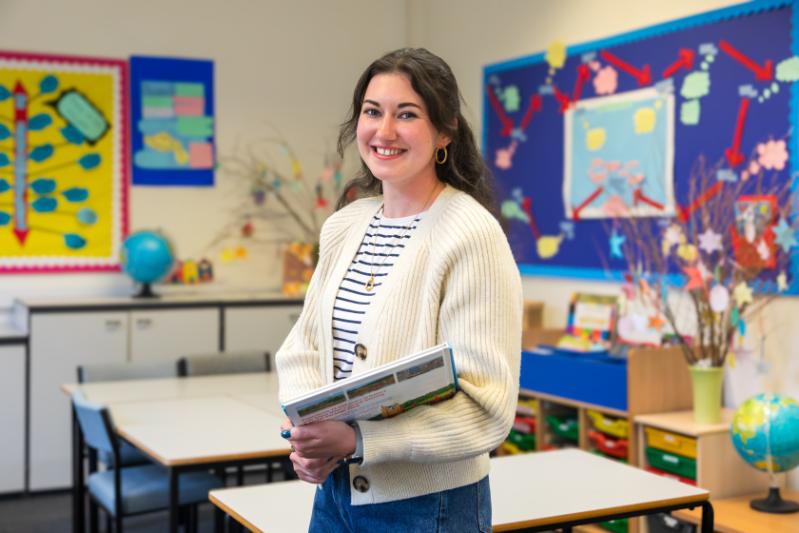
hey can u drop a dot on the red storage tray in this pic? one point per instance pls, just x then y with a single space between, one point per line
608 445
524 424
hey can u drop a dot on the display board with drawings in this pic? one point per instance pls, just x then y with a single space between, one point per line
580 138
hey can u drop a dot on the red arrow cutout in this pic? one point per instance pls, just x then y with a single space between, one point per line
507 124
527 205
733 153
562 99
764 73
643 75
583 75
579 208
638 196
686 61
534 107
684 212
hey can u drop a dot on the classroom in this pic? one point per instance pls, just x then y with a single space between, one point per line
603 314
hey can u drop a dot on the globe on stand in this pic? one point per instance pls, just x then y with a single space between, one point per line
146 257
765 431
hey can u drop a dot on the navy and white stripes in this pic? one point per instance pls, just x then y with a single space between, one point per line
382 244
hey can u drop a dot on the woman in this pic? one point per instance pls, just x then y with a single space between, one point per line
419 261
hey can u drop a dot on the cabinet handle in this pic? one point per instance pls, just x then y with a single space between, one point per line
144 322
111 325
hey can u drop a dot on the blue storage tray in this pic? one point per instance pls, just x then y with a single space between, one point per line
595 378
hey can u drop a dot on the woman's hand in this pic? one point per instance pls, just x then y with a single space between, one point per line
313 470
322 440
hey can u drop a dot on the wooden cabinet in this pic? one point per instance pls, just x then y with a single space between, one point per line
171 333
12 418
259 328
59 342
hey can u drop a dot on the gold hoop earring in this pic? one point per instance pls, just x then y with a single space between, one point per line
443 159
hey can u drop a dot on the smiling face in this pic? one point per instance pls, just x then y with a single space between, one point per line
396 138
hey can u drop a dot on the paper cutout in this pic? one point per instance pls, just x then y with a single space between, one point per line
719 298
742 294
616 241
694 280
785 236
710 241
600 178
695 85
548 246
556 54
690 112
772 155
788 70
606 80
510 98
753 229
504 156
687 252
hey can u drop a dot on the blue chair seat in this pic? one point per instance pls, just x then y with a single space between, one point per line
146 488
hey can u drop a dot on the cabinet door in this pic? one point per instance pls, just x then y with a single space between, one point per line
12 418
259 328
59 342
172 333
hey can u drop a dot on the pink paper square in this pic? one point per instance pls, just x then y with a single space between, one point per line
201 155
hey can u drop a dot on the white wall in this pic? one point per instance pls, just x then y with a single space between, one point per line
288 65
470 34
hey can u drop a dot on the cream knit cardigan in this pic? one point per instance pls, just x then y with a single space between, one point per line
455 281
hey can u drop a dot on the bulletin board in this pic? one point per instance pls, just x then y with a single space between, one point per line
63 162
173 123
578 136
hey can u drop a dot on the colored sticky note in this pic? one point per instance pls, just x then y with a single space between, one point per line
196 126
201 155
689 112
157 112
81 113
189 106
156 101
644 120
189 89
157 88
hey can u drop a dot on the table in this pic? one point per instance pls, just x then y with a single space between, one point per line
188 423
531 492
733 515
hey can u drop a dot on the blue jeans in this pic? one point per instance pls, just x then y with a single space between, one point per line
461 510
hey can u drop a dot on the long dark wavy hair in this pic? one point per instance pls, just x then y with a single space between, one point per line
433 81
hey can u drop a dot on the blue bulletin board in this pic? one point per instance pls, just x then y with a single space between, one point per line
580 136
172 121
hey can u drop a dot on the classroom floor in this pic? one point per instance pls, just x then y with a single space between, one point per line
52 513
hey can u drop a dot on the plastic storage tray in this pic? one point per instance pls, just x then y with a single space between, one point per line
671 462
671 442
523 441
565 427
616 427
670 475
524 424
609 445
616 526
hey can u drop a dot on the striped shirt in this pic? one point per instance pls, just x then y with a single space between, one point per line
385 238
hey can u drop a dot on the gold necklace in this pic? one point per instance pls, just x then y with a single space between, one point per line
370 283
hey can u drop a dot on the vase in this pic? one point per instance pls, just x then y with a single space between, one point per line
706 385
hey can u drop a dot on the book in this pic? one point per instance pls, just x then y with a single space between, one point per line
422 378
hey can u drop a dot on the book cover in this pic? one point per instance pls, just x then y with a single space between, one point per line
423 378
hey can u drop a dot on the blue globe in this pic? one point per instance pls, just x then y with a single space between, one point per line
765 431
146 257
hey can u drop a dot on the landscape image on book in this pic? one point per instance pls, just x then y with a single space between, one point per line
424 378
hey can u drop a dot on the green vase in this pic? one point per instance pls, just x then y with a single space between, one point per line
706 384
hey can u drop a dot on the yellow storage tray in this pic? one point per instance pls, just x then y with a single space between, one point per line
616 427
527 406
671 442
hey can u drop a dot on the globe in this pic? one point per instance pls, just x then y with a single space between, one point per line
146 257
765 432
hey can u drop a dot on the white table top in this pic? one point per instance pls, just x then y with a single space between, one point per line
526 490
202 419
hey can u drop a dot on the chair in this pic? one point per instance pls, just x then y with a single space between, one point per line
128 454
130 490
224 363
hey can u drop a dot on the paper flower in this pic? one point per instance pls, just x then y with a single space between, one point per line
772 155
606 80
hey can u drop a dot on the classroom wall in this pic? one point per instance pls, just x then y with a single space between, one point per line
470 34
286 67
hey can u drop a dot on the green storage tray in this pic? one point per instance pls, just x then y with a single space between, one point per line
565 427
525 441
617 526
671 462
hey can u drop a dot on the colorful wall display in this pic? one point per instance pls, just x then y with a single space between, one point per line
172 134
584 139
63 162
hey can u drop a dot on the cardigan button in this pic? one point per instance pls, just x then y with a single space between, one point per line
360 351
360 483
